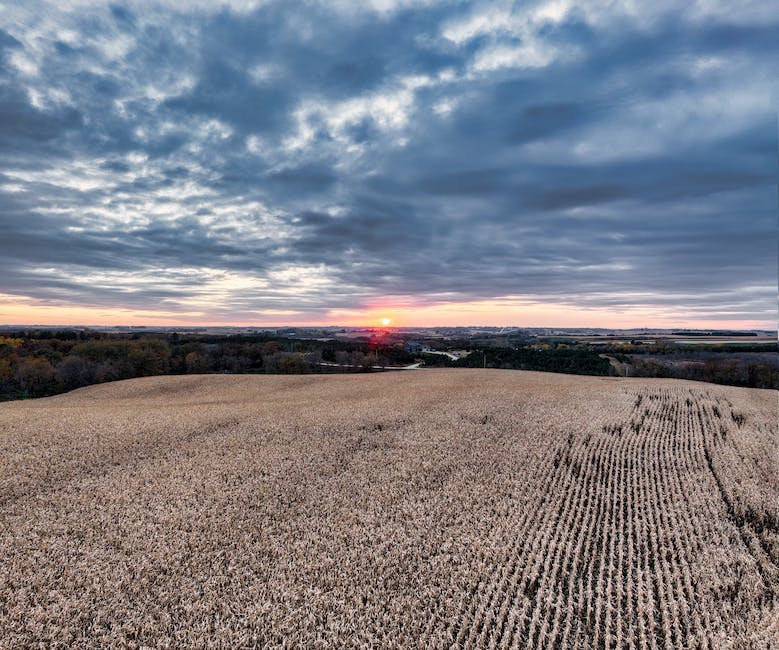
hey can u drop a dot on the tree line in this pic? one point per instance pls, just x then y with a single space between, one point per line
569 360
36 363
41 363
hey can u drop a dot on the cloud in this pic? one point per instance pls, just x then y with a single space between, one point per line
247 157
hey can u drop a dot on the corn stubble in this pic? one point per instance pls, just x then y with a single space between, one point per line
452 508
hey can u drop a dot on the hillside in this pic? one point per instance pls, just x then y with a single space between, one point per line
475 508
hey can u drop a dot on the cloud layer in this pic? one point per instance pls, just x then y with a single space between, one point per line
264 162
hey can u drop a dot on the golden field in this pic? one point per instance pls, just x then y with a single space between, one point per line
439 508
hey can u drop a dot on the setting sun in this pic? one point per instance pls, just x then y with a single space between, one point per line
386 321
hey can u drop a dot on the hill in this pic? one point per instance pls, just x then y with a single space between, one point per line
448 507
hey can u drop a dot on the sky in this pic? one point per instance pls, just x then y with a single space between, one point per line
568 164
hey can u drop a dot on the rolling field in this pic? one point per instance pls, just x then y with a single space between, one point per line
440 508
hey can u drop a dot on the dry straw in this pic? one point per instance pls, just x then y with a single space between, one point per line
423 509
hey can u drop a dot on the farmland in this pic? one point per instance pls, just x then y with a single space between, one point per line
440 508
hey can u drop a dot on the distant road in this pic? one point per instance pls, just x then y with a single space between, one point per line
453 357
413 366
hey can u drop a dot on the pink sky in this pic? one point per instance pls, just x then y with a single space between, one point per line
486 312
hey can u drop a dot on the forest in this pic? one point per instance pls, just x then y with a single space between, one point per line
37 363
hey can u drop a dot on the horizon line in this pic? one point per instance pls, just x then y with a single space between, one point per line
382 327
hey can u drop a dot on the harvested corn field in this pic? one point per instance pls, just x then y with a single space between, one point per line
446 508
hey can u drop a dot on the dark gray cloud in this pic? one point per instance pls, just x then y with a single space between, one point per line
245 161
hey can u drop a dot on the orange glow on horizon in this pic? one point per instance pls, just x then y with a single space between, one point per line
523 313
509 312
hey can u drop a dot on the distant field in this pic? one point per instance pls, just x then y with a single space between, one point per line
730 341
465 508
